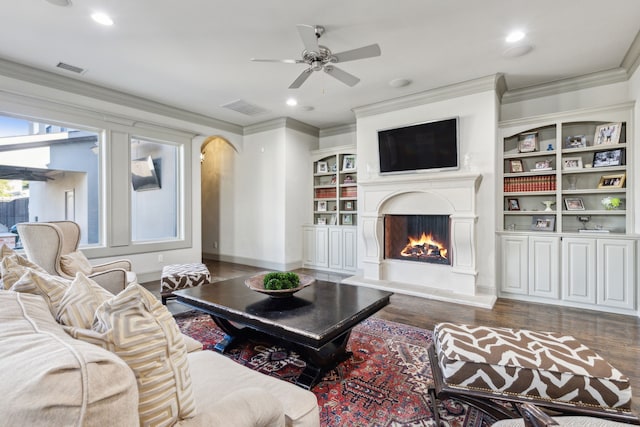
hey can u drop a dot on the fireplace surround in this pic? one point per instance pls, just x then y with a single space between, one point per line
450 194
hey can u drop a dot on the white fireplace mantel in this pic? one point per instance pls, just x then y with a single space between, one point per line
444 193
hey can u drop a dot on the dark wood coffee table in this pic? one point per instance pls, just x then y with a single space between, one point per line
315 321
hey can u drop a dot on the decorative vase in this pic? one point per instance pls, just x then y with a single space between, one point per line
548 204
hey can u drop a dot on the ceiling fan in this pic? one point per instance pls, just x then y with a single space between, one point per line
319 57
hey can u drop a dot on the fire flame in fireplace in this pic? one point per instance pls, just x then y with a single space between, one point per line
424 247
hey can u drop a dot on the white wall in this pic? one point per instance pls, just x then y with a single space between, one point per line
634 93
347 138
478 135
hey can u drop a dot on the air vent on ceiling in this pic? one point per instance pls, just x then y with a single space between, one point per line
245 108
71 68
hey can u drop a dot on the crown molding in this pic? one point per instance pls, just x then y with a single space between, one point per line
45 78
469 87
586 81
282 122
337 130
631 60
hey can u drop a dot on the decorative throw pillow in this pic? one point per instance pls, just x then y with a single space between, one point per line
51 288
12 266
138 328
80 301
75 262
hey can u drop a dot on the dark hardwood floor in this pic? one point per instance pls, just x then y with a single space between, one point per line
614 337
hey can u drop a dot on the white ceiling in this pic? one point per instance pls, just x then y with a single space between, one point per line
195 54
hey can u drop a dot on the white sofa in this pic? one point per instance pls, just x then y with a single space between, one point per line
50 378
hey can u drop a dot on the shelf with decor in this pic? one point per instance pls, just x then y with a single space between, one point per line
330 241
567 209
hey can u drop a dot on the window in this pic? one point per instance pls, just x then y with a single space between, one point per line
155 190
48 173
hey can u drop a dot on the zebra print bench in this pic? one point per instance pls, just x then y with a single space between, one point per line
492 369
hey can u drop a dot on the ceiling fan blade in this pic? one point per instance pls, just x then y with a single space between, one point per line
286 61
343 76
301 79
359 53
309 38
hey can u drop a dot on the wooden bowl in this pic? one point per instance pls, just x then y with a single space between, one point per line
256 283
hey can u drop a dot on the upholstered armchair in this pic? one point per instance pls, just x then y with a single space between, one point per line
54 247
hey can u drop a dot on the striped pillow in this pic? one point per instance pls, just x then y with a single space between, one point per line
138 328
75 262
80 302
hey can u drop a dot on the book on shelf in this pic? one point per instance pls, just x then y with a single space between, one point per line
530 183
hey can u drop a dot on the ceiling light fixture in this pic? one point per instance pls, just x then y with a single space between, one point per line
515 36
399 83
102 18
292 102
62 3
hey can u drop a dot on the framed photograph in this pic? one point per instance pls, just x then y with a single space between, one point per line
322 221
574 204
346 219
323 167
607 134
349 163
528 142
543 165
578 141
333 220
612 181
348 205
513 204
515 166
543 223
322 206
572 163
607 158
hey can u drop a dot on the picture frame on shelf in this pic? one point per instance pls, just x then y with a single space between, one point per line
322 206
348 205
333 220
542 165
322 221
612 181
516 166
528 142
574 204
333 180
543 223
513 204
608 158
572 163
322 167
607 134
576 141
349 163
347 220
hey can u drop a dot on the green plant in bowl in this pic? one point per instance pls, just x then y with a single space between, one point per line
279 281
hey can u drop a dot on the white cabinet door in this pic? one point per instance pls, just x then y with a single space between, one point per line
335 248
616 273
349 248
321 247
543 266
514 264
309 245
579 272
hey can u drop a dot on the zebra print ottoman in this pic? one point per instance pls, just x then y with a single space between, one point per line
182 276
525 366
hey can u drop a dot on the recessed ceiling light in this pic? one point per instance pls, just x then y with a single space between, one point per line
102 18
515 51
515 36
60 2
292 102
399 82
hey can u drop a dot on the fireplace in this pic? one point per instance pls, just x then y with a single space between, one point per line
451 196
419 238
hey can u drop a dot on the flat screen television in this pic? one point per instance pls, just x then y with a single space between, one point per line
419 147
144 175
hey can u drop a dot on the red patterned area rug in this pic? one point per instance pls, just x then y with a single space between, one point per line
384 383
